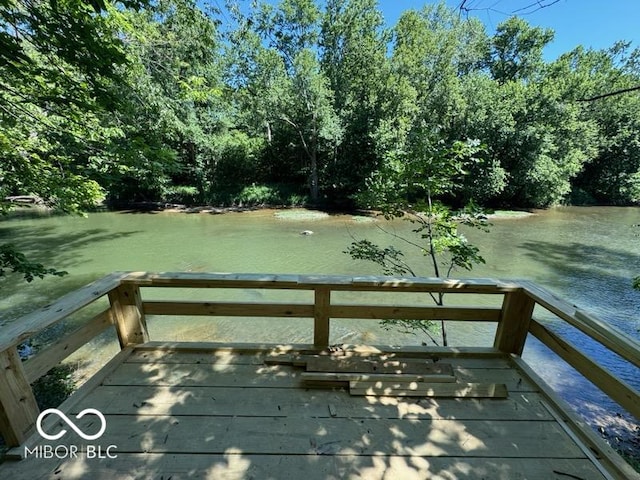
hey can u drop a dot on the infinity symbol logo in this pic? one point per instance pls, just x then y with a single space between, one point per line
73 426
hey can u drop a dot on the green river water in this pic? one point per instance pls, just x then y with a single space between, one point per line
588 255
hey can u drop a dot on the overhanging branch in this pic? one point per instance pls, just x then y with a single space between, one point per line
610 94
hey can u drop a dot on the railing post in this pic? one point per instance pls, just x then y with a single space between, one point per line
18 408
128 315
322 305
513 327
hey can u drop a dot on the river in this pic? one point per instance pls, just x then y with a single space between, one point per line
588 255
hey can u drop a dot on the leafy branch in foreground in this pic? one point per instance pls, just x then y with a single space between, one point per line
17 262
407 187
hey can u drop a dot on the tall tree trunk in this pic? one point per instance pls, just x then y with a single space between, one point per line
314 190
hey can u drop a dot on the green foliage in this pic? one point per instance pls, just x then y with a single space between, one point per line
390 258
516 50
134 100
55 387
274 194
613 173
182 194
407 186
17 262
258 195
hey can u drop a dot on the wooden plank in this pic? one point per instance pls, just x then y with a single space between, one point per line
228 309
235 464
18 407
610 336
458 358
262 376
128 315
374 377
407 351
421 389
274 402
196 357
479 314
48 358
513 327
307 282
321 315
472 357
588 453
258 376
619 391
28 325
512 378
608 458
469 314
227 347
476 285
214 280
333 436
358 365
75 398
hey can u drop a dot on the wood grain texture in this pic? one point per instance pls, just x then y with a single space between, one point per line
128 315
321 316
28 325
361 365
618 390
374 377
235 465
48 358
18 408
513 327
605 333
405 388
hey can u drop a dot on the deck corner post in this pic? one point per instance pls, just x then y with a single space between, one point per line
322 306
18 408
513 327
128 315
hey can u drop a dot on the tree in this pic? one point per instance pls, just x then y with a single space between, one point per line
537 138
613 173
409 186
58 63
353 43
175 90
516 50
282 76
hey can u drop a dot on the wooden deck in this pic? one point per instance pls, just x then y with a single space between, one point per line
204 412
239 411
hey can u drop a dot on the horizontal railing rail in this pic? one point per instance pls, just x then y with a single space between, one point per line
127 313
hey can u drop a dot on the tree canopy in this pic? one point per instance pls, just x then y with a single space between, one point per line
300 101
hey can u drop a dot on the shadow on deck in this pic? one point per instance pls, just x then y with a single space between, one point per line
203 410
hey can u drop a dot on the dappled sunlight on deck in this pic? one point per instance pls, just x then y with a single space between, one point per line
209 410
190 413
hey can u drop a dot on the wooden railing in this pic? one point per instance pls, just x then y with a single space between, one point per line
127 313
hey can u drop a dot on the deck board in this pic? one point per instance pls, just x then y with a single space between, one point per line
235 465
225 415
274 376
331 436
223 401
